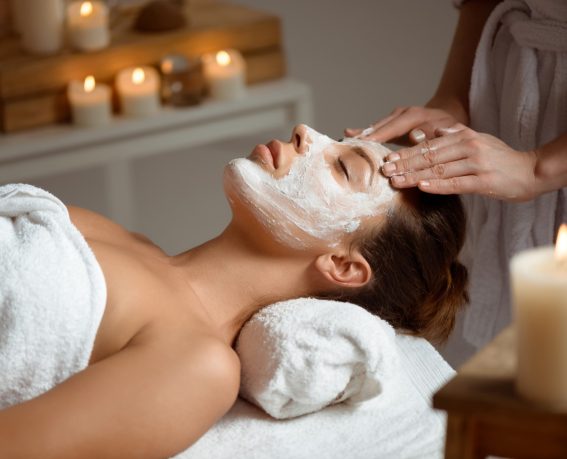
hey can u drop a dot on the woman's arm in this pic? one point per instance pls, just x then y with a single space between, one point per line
453 91
147 401
449 105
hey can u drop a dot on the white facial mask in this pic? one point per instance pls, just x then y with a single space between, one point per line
308 203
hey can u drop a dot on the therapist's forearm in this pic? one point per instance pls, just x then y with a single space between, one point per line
456 79
551 165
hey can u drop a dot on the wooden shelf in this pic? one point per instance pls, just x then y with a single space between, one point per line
32 88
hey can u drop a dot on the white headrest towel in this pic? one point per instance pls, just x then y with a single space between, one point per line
301 355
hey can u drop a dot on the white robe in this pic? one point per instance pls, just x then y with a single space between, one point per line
518 94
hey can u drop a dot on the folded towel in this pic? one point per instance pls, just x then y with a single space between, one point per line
301 355
400 423
52 294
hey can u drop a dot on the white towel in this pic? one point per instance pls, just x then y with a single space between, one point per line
52 294
302 355
521 42
399 423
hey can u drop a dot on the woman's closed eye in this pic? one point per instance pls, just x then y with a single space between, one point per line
343 168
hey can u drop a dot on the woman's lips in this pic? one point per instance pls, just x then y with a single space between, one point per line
269 153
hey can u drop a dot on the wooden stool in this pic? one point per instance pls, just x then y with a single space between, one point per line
487 417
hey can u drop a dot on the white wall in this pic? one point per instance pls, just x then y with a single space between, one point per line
362 58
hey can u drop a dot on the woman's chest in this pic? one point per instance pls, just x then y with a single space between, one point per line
142 288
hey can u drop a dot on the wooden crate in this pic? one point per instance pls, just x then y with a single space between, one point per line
32 88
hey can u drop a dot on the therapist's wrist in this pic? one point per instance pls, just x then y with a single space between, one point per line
452 104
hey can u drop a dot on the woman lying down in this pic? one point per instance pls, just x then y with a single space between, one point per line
137 356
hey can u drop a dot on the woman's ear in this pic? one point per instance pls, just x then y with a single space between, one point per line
349 270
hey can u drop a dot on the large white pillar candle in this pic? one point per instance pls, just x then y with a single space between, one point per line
139 90
225 73
90 102
41 25
87 23
539 286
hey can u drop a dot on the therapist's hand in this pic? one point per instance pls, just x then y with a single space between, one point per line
411 125
461 161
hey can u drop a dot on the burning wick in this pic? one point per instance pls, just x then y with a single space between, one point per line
223 58
86 9
138 76
90 84
561 246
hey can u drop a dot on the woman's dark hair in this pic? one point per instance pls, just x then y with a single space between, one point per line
417 283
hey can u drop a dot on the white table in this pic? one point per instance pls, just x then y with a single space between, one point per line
58 149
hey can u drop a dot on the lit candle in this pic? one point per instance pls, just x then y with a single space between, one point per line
41 25
87 23
138 89
539 285
90 102
225 73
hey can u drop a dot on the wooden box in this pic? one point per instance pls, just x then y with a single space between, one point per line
33 89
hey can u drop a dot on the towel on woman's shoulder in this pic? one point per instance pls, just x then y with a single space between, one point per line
52 294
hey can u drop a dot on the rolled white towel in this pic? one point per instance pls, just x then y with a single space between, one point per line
301 355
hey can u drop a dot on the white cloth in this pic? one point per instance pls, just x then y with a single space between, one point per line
301 355
518 94
52 294
398 424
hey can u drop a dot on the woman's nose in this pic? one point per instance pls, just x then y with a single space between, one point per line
299 139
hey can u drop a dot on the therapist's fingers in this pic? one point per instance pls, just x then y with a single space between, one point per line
455 185
367 132
447 170
429 148
352 132
425 157
431 129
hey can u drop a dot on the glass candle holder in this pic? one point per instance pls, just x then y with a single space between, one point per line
183 82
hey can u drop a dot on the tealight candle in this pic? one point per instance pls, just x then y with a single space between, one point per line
225 73
41 25
539 285
87 23
90 102
138 89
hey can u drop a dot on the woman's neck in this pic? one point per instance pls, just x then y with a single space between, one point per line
233 277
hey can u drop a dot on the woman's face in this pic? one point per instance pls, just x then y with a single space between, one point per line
313 190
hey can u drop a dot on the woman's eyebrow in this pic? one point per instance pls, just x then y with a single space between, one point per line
364 154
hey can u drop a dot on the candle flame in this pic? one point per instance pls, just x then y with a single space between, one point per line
561 244
90 83
138 76
223 58
86 9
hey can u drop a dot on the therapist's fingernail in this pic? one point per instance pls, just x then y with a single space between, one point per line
418 135
398 179
388 168
424 183
393 157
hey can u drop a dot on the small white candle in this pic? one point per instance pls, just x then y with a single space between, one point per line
225 73
138 89
539 285
90 102
41 24
87 23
